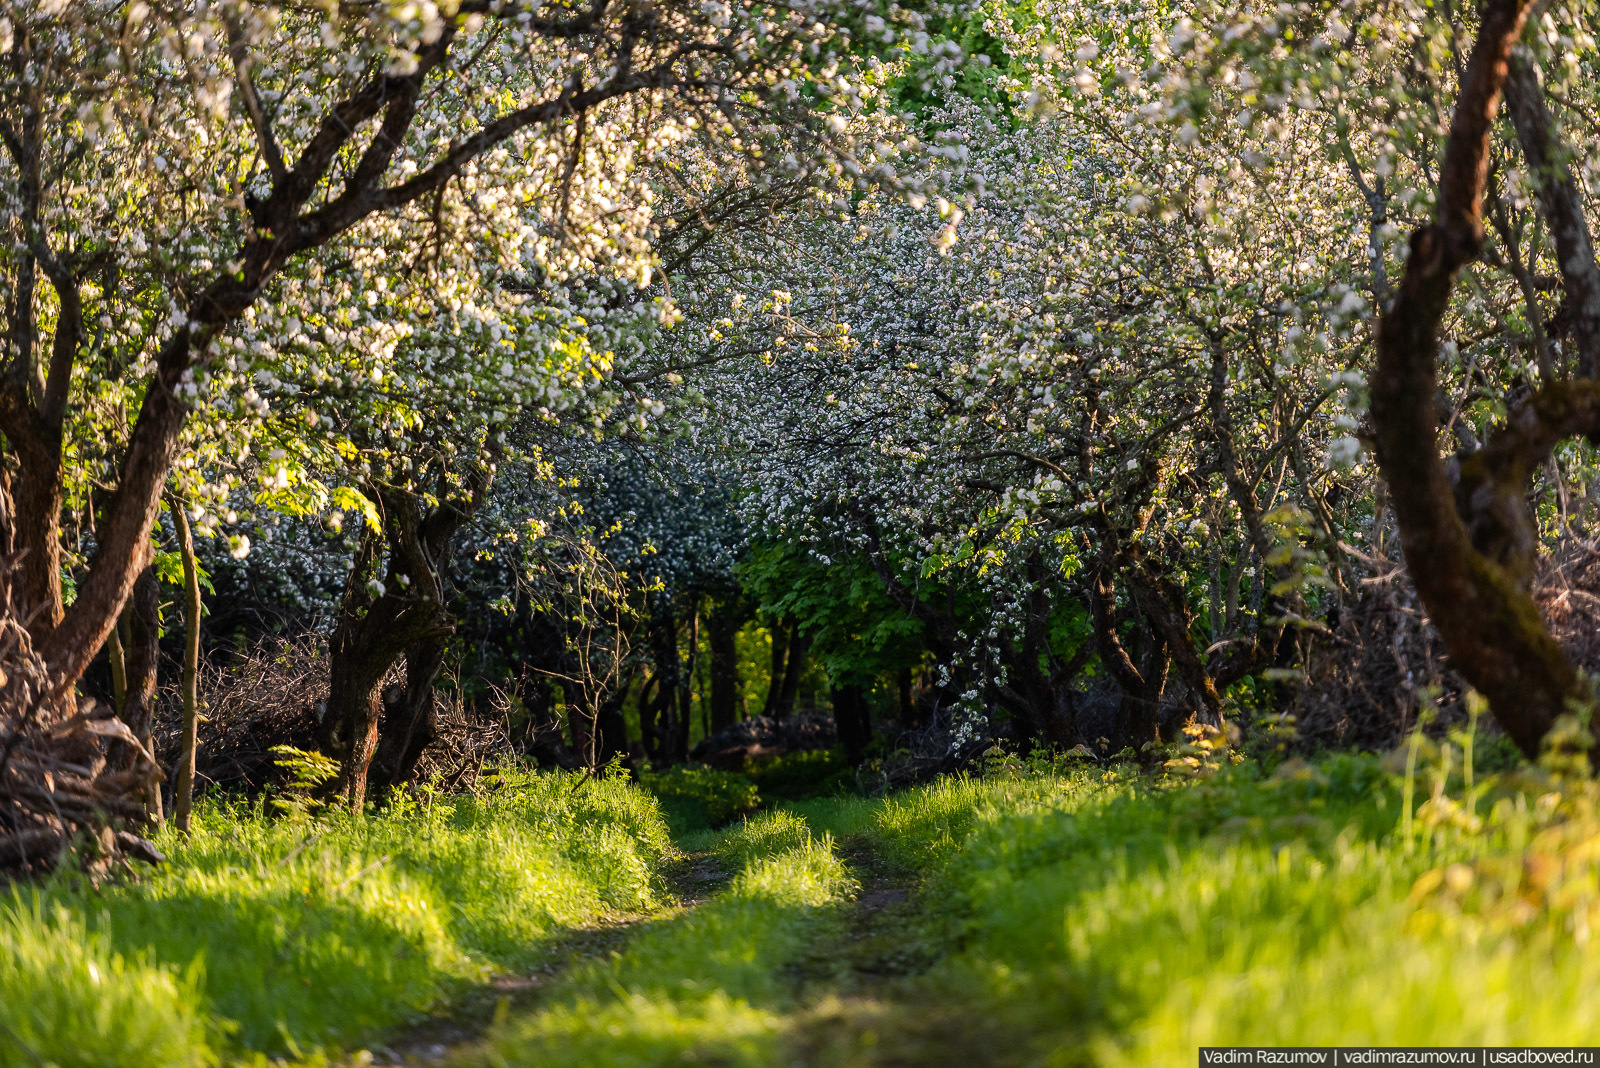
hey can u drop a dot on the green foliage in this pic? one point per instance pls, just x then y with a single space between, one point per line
916 88
706 985
858 631
807 773
694 797
169 569
320 931
307 771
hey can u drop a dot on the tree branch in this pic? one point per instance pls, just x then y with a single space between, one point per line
1562 206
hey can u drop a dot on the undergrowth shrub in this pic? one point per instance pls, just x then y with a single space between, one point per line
694 797
317 930
801 774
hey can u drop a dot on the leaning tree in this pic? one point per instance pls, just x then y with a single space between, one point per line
1490 330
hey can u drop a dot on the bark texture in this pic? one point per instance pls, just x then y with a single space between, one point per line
183 787
381 619
1469 541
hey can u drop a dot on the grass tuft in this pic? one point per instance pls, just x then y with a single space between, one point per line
319 932
67 999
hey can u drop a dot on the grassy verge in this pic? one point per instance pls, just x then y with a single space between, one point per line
288 936
706 984
1094 919
1065 915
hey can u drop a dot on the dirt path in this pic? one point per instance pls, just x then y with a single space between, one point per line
860 1000
851 975
875 939
432 1040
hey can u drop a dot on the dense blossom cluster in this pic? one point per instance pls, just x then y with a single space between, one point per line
1133 333
1072 328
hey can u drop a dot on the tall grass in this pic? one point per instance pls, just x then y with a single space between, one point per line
281 935
67 999
1108 921
705 985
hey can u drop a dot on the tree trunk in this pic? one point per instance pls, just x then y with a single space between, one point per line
541 738
649 713
799 647
852 718
1562 207
580 728
37 499
1164 605
724 637
780 659
143 660
117 658
1474 579
680 738
613 729
183 789
381 620
123 533
419 706
1142 684
662 716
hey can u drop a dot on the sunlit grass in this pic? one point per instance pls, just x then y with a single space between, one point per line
1065 915
705 985
299 934
67 999
1099 919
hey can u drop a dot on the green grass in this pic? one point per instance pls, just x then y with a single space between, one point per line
284 936
696 798
1096 918
1063 915
705 985
67 999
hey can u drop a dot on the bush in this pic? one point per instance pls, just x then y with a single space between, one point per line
694 797
807 773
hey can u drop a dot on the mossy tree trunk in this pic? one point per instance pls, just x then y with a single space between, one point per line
1470 541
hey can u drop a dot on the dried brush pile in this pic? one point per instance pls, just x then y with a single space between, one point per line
274 693
1364 687
266 695
1567 587
74 780
468 741
1365 684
